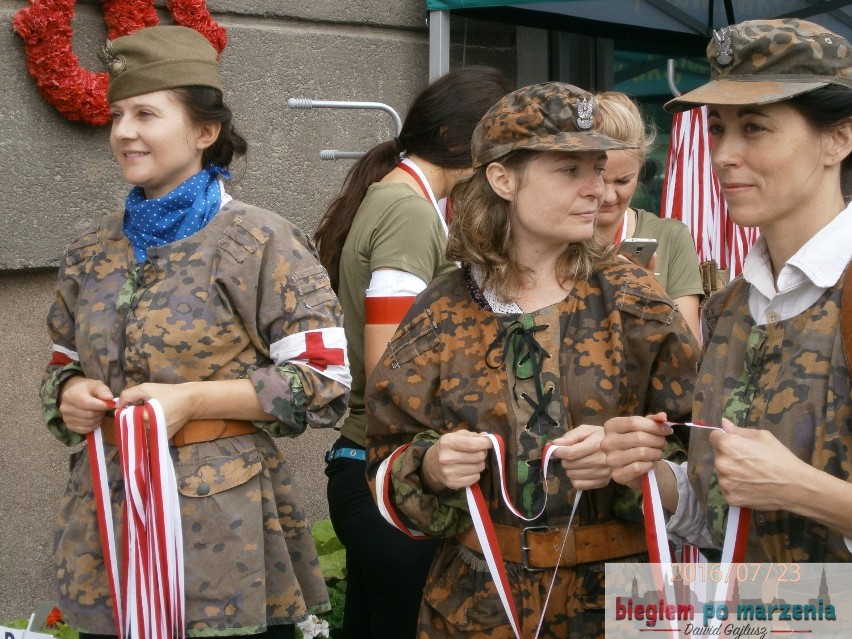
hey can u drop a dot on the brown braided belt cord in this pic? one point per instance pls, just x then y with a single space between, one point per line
537 548
193 432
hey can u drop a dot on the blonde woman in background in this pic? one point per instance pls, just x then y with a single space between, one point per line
675 262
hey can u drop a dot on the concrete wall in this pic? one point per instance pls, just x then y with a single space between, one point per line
58 176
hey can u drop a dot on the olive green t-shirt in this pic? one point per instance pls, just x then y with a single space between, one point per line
393 228
676 267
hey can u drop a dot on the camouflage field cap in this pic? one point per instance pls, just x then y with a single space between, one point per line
764 61
157 58
553 116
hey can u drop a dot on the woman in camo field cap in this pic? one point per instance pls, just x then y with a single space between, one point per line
214 308
774 374
540 337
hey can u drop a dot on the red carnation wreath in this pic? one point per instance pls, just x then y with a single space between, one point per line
77 93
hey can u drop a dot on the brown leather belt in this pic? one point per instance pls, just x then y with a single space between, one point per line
193 432
537 548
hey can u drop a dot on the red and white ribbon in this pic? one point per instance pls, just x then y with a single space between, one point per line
103 507
659 552
482 522
691 193
408 165
148 594
484 527
733 547
383 496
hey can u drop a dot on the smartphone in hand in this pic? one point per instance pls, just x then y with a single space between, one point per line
638 249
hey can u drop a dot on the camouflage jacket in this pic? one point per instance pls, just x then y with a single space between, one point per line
614 346
208 307
788 377
213 306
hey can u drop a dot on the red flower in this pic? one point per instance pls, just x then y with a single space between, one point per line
77 93
54 617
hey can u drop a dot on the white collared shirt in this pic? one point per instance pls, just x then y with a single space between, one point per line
815 267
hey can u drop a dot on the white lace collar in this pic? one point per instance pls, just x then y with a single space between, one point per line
497 305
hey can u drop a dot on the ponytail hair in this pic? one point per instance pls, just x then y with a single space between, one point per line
337 220
437 128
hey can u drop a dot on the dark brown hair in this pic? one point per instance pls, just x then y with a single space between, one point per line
824 108
203 105
437 128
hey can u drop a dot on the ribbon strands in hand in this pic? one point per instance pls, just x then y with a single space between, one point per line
488 540
148 590
733 548
482 523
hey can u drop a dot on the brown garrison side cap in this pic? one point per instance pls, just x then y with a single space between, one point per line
553 116
157 58
764 61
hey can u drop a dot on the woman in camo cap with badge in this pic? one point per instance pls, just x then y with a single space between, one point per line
540 337
774 375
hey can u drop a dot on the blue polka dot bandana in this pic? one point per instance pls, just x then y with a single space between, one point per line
177 215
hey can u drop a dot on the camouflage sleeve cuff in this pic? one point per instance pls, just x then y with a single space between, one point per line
50 402
281 394
444 515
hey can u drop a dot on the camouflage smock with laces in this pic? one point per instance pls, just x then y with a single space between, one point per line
614 346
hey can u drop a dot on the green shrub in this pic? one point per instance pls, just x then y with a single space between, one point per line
332 559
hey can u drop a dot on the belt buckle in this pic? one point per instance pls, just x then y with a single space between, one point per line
525 547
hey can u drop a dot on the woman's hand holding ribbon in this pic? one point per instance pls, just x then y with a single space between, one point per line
582 458
754 468
83 403
177 400
455 461
633 445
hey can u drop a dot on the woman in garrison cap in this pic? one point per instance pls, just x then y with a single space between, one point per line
540 337
774 376
216 309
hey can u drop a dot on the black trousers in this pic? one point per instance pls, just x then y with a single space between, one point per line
385 569
273 632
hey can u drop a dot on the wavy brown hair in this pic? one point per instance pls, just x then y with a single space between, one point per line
481 234
437 128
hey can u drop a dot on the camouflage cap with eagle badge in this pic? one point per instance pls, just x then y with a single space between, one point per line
765 61
553 116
